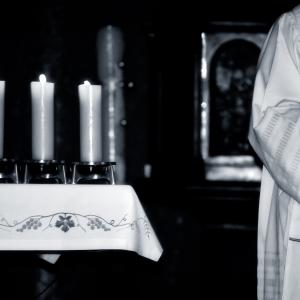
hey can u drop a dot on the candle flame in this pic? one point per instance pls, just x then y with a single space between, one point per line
87 83
43 78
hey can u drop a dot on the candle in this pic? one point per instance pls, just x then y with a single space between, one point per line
90 122
2 106
42 95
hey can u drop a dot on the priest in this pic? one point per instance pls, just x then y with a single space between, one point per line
275 136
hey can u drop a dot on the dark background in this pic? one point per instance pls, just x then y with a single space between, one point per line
207 229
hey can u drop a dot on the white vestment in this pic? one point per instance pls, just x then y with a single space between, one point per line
275 135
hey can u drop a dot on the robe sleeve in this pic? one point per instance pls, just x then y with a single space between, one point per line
275 120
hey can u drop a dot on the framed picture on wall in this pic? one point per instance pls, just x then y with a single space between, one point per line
227 72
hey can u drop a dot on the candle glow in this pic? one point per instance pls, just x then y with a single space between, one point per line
42 79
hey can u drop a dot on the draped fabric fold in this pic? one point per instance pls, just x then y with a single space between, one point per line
275 136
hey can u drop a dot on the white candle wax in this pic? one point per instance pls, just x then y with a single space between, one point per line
2 107
90 122
42 103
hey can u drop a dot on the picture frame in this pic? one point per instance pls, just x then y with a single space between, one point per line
226 75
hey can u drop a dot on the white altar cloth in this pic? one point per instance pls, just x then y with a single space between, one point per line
50 217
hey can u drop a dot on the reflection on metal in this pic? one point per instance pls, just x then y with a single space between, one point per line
224 164
110 48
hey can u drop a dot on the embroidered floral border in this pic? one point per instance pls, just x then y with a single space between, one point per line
67 221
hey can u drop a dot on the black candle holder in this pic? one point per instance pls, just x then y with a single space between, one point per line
45 171
9 171
93 172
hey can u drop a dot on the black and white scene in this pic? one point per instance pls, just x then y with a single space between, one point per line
150 149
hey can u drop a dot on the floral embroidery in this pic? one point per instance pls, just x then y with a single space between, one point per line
32 223
65 223
96 223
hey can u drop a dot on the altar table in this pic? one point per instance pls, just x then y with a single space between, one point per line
66 217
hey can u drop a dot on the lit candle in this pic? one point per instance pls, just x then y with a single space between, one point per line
2 106
42 95
90 122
